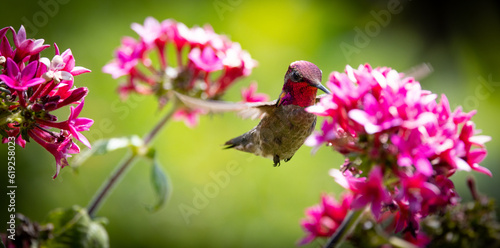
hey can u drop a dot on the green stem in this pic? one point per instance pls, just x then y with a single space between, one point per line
118 173
350 221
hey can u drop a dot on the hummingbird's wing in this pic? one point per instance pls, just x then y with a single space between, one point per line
256 110
245 110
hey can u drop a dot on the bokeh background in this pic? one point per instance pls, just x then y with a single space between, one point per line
259 206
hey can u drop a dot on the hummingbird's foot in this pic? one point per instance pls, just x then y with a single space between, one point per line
288 159
276 160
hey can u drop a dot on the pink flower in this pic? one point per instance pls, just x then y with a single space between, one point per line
474 157
191 117
60 146
150 32
200 37
249 94
404 219
372 191
37 86
208 54
205 60
74 124
26 48
417 191
323 219
127 57
180 35
408 141
380 103
20 80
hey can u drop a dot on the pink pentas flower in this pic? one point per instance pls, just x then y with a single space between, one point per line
33 88
20 80
250 94
60 146
180 35
205 60
26 47
382 103
417 191
404 219
213 63
409 141
127 57
150 32
346 179
322 220
74 124
191 117
70 64
200 37
371 191
55 69
6 49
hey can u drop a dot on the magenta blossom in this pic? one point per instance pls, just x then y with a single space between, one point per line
365 191
401 144
191 117
323 220
33 87
250 94
205 60
213 63
382 103
74 124
20 80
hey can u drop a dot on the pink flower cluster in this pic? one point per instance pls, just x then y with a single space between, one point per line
32 87
402 144
213 62
324 219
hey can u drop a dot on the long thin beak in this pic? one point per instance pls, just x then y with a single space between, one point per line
323 88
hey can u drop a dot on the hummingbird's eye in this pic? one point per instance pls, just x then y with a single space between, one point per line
295 76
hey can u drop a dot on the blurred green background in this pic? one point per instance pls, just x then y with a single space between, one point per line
258 206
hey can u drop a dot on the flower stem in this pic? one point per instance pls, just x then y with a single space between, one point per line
350 221
118 173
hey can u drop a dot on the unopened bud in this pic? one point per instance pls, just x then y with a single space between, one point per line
76 95
36 107
50 117
50 106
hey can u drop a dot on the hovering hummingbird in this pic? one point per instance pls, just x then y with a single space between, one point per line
284 124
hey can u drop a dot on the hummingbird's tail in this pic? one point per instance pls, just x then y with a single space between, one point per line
245 142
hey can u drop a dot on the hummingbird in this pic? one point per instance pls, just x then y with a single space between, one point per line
284 124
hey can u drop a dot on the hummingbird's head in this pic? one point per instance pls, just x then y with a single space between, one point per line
305 72
302 81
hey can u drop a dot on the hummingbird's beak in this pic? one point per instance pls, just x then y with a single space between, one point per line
323 88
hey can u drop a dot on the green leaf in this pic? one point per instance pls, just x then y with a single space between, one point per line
73 227
160 186
104 146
